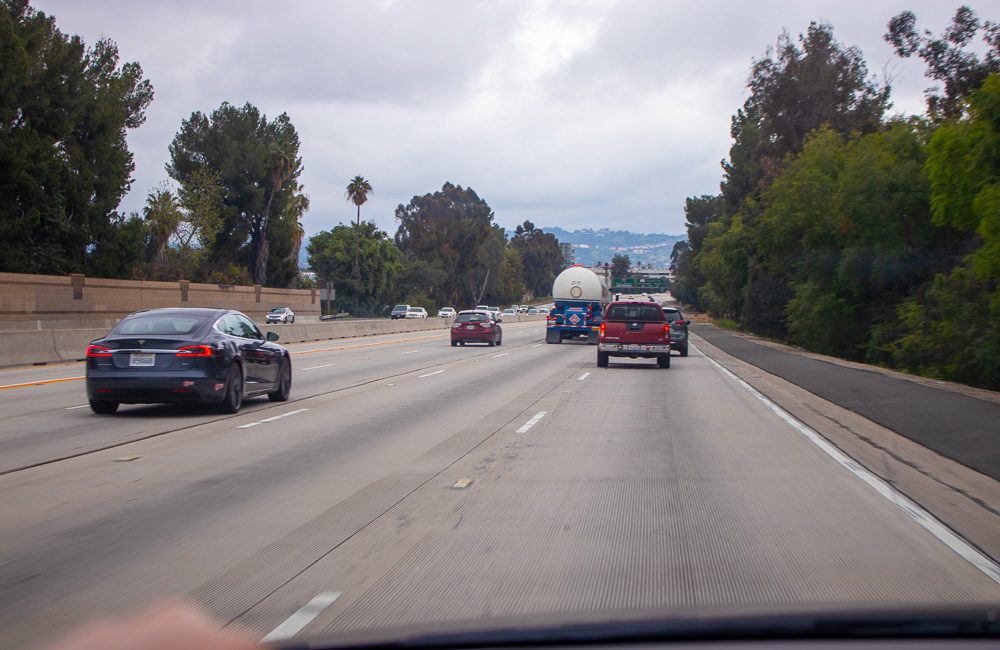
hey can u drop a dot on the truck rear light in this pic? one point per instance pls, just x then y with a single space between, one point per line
666 329
602 330
98 351
194 351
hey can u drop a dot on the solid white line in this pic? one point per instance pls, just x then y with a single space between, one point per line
910 508
502 354
270 419
532 422
583 376
70 408
430 374
294 623
325 365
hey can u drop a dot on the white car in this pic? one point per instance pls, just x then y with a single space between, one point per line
280 315
495 311
416 312
447 312
508 312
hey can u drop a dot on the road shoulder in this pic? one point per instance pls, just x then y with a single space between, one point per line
962 498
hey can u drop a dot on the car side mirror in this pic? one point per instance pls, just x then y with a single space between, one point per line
272 336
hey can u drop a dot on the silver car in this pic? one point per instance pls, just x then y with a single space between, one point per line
280 315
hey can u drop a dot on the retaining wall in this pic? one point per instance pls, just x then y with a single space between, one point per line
52 346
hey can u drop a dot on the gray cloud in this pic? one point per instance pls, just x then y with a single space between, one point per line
577 113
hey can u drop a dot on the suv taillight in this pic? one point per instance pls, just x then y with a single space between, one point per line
194 351
98 351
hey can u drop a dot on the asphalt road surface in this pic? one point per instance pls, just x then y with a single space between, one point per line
411 482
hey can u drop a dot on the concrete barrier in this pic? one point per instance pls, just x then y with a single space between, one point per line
52 346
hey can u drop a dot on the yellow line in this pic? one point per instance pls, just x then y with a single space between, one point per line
40 382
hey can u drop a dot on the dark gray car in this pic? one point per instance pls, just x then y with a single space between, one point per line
678 329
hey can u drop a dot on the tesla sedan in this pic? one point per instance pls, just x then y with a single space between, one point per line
186 355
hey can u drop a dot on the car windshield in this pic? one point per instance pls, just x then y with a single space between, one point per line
764 237
158 325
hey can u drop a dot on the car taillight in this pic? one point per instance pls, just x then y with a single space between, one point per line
98 351
666 329
194 351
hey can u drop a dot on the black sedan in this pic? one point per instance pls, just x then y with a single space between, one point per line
186 355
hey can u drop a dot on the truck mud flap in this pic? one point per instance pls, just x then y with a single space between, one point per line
592 337
553 336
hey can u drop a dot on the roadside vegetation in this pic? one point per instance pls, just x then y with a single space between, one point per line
849 231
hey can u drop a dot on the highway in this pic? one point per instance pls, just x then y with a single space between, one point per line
407 482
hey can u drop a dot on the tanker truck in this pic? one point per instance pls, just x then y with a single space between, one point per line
580 296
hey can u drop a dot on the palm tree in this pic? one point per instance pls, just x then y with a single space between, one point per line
357 193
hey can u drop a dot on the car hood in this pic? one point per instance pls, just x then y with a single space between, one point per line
836 622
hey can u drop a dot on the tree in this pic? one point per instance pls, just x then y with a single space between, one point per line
948 57
357 193
65 110
540 255
163 217
257 166
512 287
453 229
331 255
620 267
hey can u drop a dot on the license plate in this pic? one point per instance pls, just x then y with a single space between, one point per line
142 359
470 327
633 346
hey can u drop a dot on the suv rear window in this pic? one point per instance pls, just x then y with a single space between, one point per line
472 318
645 313
672 315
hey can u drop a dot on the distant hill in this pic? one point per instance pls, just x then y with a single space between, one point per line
593 246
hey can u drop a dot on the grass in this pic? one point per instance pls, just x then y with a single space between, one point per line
726 324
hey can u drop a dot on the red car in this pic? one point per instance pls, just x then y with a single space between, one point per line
476 326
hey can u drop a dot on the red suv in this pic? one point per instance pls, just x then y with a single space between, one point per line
476 326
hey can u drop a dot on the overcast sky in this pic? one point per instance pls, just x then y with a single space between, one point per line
568 113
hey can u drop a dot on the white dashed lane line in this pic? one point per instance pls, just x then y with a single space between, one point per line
502 354
431 374
73 408
410 352
271 419
301 618
583 376
532 422
325 365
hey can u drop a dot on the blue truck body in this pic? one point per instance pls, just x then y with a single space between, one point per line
574 319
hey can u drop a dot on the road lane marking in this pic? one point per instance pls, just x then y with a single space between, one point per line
436 372
920 516
583 376
41 382
532 422
537 345
462 483
73 408
410 352
325 365
301 618
271 419
502 354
